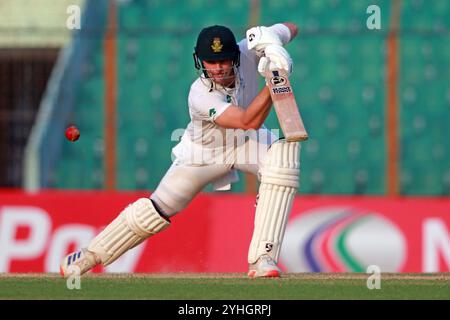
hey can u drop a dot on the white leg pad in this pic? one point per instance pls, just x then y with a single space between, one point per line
279 184
134 224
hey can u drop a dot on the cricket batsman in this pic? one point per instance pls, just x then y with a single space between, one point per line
226 134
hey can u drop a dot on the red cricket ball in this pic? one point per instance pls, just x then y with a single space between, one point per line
72 133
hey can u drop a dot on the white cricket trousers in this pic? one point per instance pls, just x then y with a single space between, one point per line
182 182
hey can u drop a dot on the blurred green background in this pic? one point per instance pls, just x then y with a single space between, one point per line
340 79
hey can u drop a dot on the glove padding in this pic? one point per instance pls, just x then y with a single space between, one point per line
276 57
258 38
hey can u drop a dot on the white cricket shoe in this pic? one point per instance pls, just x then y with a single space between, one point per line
264 267
83 259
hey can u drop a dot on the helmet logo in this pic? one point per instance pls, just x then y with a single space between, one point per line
217 45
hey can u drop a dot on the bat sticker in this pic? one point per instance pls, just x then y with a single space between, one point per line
281 90
278 81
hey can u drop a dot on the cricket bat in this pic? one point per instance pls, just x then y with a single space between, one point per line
285 106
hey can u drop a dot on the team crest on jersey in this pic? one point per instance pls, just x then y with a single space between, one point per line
216 45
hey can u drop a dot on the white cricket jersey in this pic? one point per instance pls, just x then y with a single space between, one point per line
203 139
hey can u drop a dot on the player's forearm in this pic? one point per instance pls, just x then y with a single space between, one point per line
257 112
292 28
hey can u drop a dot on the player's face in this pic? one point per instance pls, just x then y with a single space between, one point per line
221 71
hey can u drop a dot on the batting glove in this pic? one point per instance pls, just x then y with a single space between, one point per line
258 38
276 57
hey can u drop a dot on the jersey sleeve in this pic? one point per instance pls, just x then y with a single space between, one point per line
282 31
207 105
249 55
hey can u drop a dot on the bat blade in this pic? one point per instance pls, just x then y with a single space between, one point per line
285 106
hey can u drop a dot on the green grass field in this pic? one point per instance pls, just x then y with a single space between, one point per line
225 286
